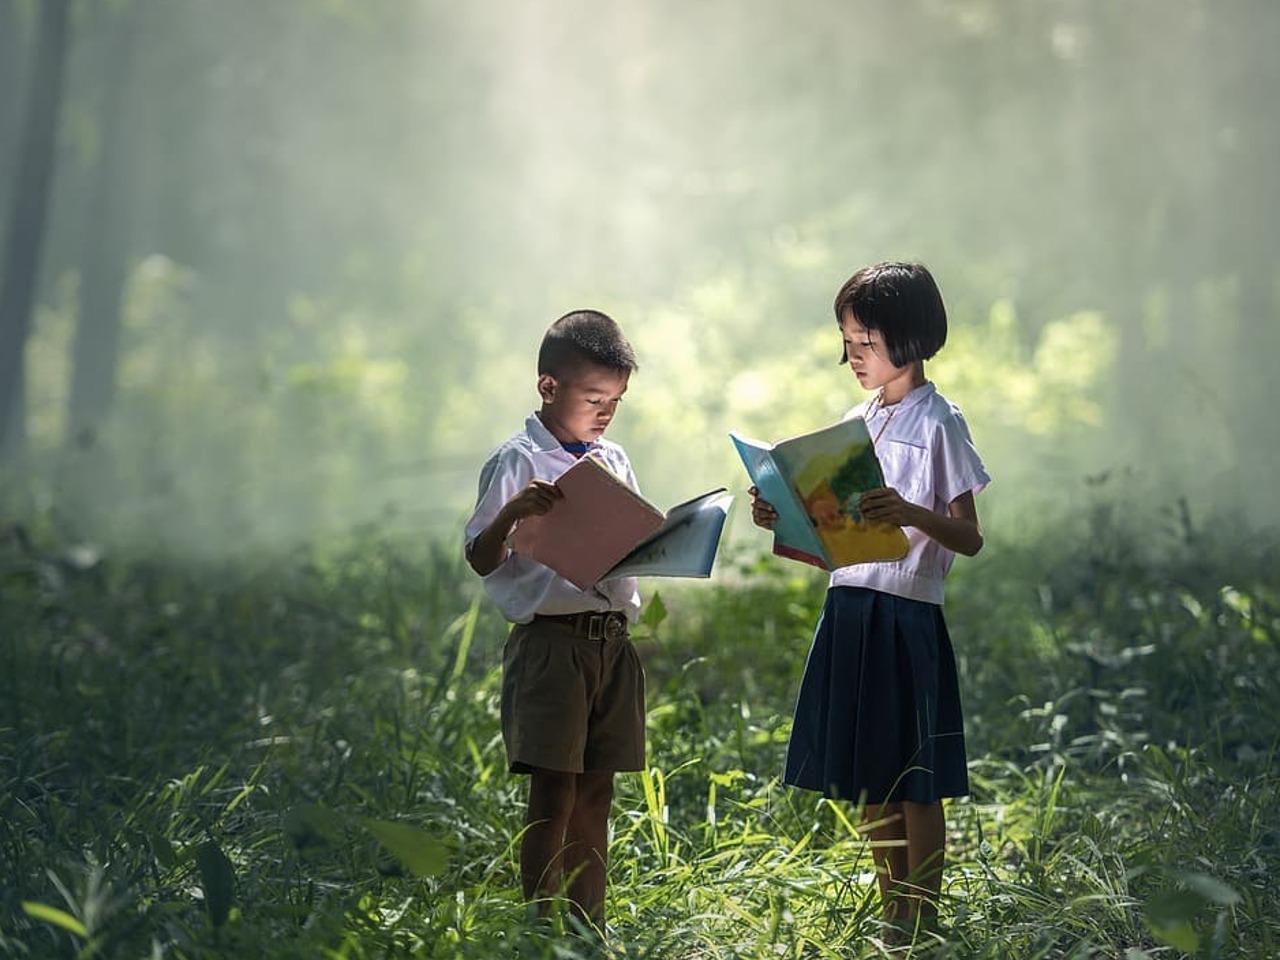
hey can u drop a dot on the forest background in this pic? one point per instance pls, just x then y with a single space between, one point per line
274 275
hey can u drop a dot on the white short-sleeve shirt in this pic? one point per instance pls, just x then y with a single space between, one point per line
928 456
520 586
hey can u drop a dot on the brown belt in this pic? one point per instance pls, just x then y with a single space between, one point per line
604 625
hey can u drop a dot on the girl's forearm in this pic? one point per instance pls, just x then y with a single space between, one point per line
959 534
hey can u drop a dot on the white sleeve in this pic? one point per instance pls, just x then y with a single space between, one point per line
957 467
503 475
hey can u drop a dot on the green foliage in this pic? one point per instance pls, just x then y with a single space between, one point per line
302 759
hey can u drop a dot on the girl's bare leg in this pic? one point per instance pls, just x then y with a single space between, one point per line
909 849
889 851
926 829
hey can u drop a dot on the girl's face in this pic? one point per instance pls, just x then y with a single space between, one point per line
577 408
869 360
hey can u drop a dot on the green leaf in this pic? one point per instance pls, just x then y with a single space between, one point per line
418 852
310 825
1180 936
59 918
654 613
1169 915
162 849
218 878
1171 907
1211 889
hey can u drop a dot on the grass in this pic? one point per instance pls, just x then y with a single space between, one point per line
301 758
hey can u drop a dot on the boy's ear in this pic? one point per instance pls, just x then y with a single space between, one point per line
546 387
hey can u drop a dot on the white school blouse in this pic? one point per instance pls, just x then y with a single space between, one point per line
521 586
928 456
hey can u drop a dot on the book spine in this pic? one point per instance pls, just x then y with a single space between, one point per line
792 553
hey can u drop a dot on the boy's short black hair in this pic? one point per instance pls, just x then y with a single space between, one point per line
903 302
584 336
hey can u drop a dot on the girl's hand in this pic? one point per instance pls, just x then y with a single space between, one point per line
762 512
885 505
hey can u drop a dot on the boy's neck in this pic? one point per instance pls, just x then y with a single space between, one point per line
574 446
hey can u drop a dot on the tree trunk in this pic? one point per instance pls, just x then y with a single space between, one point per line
27 214
12 40
104 256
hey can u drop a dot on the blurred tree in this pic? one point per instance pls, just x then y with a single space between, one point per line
13 44
1243 199
24 238
1177 140
363 214
104 254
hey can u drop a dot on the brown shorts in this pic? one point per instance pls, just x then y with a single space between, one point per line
569 702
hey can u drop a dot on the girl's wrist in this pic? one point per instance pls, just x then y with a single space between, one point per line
916 515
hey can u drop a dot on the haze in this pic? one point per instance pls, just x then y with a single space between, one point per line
330 235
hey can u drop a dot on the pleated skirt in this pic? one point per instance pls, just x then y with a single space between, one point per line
878 718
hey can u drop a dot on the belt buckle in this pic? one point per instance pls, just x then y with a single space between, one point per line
606 626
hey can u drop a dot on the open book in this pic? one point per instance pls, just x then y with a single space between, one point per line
602 529
814 482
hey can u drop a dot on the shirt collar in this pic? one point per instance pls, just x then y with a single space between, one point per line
543 439
918 394
914 396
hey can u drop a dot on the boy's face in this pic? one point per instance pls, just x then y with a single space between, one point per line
578 406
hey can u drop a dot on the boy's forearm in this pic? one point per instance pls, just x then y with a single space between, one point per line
489 549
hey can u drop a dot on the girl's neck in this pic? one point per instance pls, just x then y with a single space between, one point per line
911 377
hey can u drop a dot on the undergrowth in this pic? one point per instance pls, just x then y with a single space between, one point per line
301 758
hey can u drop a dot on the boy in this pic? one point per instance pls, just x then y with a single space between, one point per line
572 684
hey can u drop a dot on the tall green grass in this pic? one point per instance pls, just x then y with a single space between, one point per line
301 758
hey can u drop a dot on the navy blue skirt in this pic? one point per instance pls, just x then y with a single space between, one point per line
878 717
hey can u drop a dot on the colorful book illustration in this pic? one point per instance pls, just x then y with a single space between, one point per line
602 529
814 482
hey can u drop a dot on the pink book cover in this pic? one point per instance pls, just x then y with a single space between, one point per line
596 524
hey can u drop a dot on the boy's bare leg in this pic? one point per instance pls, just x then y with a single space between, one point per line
586 851
926 853
551 802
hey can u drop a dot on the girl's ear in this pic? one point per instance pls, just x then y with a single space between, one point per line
546 387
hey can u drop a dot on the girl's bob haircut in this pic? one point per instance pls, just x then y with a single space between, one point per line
903 302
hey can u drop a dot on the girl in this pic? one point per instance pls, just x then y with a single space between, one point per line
878 716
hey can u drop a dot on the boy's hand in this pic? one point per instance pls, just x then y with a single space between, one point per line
885 505
489 549
762 512
535 499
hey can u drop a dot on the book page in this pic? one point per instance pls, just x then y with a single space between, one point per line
793 534
829 470
686 543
